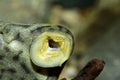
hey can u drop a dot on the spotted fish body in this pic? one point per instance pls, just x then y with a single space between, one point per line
30 52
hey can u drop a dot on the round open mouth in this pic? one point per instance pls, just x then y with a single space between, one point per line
51 49
53 44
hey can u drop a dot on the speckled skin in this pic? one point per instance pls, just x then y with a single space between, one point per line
15 63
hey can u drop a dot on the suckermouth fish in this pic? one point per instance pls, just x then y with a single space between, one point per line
33 51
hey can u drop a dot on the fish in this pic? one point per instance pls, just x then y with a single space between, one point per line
33 51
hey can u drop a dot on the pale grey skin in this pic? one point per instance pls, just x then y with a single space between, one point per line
15 62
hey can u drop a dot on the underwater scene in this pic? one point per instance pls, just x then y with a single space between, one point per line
59 40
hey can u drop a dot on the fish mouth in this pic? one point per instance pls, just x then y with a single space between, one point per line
51 49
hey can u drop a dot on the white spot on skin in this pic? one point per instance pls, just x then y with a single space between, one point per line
2 43
15 45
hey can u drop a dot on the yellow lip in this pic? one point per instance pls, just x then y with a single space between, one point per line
51 49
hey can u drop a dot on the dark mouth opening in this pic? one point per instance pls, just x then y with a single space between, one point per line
53 44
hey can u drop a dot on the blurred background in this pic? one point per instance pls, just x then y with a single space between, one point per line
95 25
